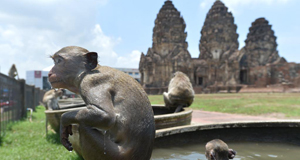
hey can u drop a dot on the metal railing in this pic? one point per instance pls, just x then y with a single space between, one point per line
15 98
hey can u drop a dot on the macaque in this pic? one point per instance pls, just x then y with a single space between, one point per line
118 122
218 150
180 92
13 72
50 99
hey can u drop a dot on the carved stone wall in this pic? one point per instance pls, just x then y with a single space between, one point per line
218 34
218 47
169 49
261 46
276 73
220 65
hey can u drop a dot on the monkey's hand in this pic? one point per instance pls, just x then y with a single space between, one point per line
65 131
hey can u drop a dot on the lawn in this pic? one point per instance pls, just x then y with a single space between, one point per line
286 104
28 140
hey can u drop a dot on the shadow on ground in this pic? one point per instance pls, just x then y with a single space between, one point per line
53 138
1 141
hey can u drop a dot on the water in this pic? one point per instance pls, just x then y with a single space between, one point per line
104 133
245 151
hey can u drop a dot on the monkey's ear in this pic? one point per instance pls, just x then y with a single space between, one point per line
92 60
231 153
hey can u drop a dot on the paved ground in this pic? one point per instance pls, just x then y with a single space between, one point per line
205 117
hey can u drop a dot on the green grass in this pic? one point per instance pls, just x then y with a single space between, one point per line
250 103
28 140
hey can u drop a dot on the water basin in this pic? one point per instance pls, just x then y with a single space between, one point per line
260 140
246 151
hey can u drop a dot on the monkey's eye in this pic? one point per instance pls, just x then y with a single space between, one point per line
57 60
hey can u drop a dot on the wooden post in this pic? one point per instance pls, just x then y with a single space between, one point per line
33 97
23 98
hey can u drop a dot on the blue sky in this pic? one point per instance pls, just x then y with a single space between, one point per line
31 31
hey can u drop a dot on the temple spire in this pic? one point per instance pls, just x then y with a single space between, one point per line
168 53
261 46
218 34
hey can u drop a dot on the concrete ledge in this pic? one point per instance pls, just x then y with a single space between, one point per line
279 131
168 120
213 126
165 118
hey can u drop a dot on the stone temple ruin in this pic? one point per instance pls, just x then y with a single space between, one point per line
169 49
221 66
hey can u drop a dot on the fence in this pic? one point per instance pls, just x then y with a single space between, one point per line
15 98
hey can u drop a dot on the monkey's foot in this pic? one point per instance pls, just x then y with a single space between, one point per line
66 131
179 108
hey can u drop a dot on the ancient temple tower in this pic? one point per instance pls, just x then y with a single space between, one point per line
168 53
218 34
261 46
218 48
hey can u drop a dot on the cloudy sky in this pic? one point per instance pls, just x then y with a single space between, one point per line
119 30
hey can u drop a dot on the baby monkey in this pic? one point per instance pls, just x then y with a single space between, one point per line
218 150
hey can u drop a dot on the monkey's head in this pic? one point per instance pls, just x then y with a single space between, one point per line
58 92
70 65
218 150
179 74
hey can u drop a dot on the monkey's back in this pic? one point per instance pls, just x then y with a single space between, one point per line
181 90
47 98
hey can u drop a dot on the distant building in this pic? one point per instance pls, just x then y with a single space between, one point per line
133 72
221 66
40 78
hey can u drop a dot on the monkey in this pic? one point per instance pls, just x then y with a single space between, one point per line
218 150
50 99
13 72
180 92
118 121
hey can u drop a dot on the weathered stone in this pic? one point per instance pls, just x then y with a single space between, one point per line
261 46
218 34
220 65
169 49
218 47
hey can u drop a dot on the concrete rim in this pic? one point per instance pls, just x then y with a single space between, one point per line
245 124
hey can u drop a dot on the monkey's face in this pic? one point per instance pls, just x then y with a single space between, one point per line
54 75
65 70
69 64
59 92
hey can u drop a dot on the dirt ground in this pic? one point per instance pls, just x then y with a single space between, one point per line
206 117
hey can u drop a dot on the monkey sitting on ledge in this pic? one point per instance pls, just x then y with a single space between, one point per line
180 92
218 150
50 99
118 122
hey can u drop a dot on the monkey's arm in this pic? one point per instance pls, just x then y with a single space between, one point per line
99 114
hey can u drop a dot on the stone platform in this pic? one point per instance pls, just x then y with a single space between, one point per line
205 117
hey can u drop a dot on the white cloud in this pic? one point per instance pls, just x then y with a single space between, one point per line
31 31
233 5
131 61
203 4
103 45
